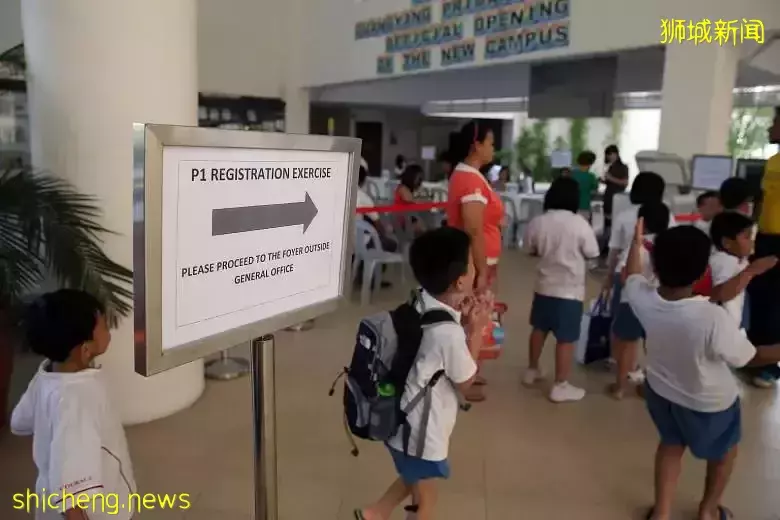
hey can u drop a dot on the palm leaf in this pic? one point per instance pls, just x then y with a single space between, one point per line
48 229
14 59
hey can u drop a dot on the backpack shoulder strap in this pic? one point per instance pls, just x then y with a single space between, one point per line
436 316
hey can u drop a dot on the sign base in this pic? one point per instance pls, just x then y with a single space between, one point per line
227 368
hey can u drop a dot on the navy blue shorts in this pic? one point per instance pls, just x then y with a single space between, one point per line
414 469
560 316
709 436
625 325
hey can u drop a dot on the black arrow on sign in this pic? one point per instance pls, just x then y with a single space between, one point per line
227 221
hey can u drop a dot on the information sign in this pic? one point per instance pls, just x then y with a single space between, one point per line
240 234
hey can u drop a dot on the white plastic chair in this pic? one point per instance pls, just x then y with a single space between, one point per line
372 258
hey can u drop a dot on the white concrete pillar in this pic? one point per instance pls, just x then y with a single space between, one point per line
296 111
95 68
296 98
697 98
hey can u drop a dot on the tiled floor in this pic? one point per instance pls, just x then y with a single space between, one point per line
514 457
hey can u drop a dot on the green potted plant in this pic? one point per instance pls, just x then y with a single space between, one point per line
49 231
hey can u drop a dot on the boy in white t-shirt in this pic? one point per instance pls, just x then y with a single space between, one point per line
692 345
626 329
732 240
79 445
565 242
442 264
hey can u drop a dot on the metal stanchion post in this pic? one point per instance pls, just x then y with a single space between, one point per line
264 422
226 368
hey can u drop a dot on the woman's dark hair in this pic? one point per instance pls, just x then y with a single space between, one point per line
564 194
728 224
444 157
362 174
60 321
648 187
680 256
472 132
612 149
412 176
656 216
400 161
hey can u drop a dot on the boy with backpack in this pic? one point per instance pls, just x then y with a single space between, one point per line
444 366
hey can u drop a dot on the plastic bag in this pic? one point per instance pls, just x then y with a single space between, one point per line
595 332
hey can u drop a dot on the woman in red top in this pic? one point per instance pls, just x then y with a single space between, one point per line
473 206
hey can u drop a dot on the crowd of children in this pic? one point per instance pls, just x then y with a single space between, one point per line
654 285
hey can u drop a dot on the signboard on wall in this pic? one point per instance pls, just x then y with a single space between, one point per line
237 234
435 35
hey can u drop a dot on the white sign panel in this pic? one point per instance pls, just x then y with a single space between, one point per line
560 159
248 234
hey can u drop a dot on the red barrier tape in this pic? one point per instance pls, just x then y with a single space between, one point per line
427 206
402 208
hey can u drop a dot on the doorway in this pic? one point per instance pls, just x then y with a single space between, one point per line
371 134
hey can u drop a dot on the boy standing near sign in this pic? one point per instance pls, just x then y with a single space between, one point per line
443 265
79 445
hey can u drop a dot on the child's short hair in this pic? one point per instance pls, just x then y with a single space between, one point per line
734 192
680 256
439 257
564 194
647 187
656 217
728 225
586 158
704 197
60 321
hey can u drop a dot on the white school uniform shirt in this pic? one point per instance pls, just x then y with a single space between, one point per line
364 200
443 347
623 232
691 347
724 267
564 241
703 225
79 445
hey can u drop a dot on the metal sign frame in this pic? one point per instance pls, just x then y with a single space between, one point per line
148 143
